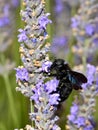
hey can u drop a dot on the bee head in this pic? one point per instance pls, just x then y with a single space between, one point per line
56 67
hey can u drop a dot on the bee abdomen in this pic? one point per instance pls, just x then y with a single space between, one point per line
64 90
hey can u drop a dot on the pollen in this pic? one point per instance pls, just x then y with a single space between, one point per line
31 51
37 63
38 118
21 50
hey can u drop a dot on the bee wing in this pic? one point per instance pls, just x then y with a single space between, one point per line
77 79
79 76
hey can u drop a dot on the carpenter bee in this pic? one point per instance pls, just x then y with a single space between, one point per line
68 79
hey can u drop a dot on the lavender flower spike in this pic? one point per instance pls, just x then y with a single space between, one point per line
45 103
81 114
30 79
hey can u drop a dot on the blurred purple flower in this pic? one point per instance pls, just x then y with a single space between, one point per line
22 74
95 41
22 36
43 21
58 6
89 28
4 21
80 121
89 127
90 72
74 109
6 10
60 41
15 3
59 44
71 118
74 22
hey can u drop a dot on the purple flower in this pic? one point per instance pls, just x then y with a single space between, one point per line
15 3
80 121
90 75
6 10
43 21
74 109
4 21
41 89
22 74
22 36
89 28
37 92
60 41
74 22
52 85
46 66
95 41
96 28
34 40
55 127
89 127
59 44
54 99
71 118
58 6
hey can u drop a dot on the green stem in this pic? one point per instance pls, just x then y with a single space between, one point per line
70 56
49 28
10 99
9 92
84 62
84 57
32 110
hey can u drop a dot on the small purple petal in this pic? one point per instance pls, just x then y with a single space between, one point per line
6 10
58 6
54 99
43 21
80 122
95 41
71 118
90 75
22 36
34 40
46 65
74 22
52 85
15 3
4 21
55 127
89 28
22 74
74 109
89 127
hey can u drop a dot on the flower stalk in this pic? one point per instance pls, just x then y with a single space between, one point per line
83 108
34 55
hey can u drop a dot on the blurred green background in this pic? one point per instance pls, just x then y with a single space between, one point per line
14 107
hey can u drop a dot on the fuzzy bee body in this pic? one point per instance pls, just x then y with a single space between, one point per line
68 79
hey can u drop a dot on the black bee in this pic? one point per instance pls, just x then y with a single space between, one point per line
68 79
